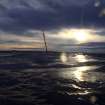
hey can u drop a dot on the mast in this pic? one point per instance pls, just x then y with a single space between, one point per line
45 43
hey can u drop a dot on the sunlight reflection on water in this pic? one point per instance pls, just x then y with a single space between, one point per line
73 59
80 73
63 57
83 80
81 58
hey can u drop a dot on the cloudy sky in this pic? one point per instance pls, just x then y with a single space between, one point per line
22 22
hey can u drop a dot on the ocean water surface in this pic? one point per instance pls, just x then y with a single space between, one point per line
37 78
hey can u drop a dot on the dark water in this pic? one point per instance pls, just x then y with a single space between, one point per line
34 78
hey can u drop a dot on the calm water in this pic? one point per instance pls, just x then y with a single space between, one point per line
28 78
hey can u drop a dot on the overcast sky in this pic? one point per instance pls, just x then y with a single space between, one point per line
22 21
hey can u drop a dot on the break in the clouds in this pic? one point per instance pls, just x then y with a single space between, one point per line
27 17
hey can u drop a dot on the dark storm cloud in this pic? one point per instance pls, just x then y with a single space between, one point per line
18 16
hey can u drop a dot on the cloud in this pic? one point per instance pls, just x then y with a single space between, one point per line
21 21
18 16
9 38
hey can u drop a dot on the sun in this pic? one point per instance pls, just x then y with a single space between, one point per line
77 35
80 35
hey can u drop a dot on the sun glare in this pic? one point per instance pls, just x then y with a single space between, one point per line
63 57
80 36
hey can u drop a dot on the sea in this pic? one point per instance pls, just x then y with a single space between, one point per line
52 78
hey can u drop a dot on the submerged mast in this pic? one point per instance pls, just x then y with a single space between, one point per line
45 43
